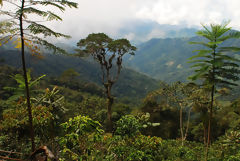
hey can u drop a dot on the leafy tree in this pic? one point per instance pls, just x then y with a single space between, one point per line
19 25
163 110
177 95
213 66
200 103
69 75
109 54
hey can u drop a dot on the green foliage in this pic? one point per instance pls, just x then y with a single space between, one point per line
14 123
47 110
214 66
81 136
147 148
167 100
131 85
95 44
164 59
226 148
144 120
55 103
109 54
139 147
19 23
172 150
120 109
6 80
69 75
100 46
14 119
19 91
94 107
128 125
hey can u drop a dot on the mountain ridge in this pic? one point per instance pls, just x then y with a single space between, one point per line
166 59
130 83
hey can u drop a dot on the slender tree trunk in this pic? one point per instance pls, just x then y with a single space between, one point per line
210 115
181 124
209 121
110 101
184 135
212 101
26 79
109 108
188 121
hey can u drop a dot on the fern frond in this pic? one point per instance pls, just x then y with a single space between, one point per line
48 46
48 3
50 16
36 28
68 3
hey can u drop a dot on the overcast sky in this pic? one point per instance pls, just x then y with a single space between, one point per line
110 16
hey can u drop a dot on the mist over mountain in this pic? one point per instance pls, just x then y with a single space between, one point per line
142 31
138 32
163 58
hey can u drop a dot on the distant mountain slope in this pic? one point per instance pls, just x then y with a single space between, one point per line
130 83
141 31
166 59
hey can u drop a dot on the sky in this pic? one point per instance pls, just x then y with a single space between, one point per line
111 16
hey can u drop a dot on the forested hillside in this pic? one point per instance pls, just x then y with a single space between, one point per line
130 84
166 59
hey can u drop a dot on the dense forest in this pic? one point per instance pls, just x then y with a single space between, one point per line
104 98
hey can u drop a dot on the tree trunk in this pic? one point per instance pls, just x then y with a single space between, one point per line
109 113
209 121
26 80
110 101
181 124
188 121
210 115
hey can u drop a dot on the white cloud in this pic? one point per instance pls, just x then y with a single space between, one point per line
130 36
191 13
110 16
155 33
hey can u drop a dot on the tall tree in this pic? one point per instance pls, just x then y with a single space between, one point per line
214 67
109 54
31 33
177 95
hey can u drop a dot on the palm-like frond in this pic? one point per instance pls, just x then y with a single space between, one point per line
50 16
36 29
48 3
213 64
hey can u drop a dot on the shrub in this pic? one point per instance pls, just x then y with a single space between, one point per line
128 125
82 138
140 147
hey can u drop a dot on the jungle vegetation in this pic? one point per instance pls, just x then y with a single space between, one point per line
121 115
